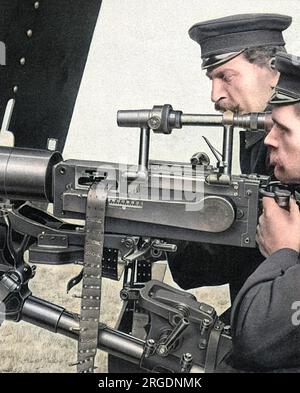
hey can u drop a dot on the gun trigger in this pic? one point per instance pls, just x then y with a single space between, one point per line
74 281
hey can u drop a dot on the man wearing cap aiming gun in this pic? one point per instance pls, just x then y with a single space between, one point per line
266 312
238 56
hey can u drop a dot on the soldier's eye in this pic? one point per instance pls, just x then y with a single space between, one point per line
227 78
281 128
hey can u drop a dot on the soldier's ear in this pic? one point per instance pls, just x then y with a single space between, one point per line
275 74
272 63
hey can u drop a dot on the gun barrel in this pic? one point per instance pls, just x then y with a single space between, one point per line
26 174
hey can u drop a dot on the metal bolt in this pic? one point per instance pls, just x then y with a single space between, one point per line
202 343
124 295
15 89
186 362
129 243
62 170
149 348
29 33
36 5
206 322
239 213
205 325
248 192
218 325
227 330
162 350
187 356
154 122
22 61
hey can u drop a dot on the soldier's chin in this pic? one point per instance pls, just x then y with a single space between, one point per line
282 175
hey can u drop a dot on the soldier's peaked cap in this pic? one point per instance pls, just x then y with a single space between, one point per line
224 38
287 90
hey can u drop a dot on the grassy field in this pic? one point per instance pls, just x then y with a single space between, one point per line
27 348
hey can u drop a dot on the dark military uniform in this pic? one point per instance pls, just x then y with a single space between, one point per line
221 40
253 153
264 336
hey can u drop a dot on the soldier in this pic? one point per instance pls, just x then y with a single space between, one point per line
238 56
265 315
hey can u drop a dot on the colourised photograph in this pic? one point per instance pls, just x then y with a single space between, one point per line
149 187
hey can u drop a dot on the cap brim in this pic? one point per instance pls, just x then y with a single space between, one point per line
217 60
281 98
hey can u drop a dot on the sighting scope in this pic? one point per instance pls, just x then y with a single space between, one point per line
163 119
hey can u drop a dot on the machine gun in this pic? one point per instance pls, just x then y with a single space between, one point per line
132 216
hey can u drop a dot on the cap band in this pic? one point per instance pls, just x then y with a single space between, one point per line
236 41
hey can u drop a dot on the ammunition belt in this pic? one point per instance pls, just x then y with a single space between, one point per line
92 275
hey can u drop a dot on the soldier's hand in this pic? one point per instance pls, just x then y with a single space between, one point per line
278 228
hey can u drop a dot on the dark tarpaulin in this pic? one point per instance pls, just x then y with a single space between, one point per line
55 55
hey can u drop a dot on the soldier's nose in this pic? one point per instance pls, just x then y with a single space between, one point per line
217 92
271 139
